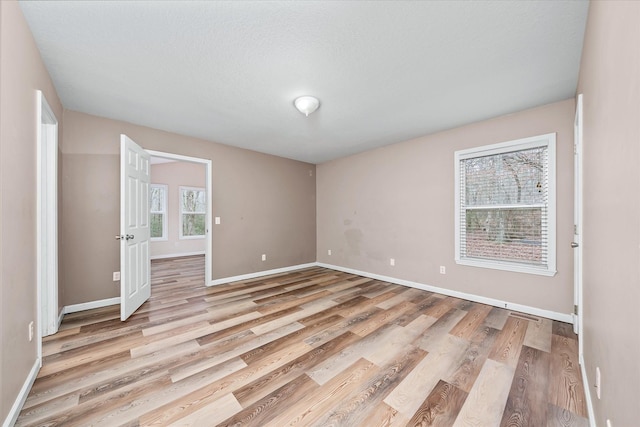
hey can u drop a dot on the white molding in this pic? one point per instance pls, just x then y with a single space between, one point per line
260 274
178 255
546 140
60 317
209 189
561 317
178 157
578 215
73 308
12 416
506 147
587 391
46 218
506 266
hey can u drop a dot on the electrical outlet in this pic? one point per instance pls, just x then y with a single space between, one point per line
116 276
31 331
609 423
443 269
597 384
217 219
264 257
329 252
392 262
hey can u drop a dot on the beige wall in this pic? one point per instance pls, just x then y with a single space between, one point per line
398 202
266 205
610 82
391 202
21 74
174 175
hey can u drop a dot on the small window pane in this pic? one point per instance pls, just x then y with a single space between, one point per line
508 178
193 224
156 225
504 234
157 199
193 201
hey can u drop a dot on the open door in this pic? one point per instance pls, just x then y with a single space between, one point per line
135 264
577 223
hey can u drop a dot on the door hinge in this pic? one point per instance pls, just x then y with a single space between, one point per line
575 229
575 149
575 310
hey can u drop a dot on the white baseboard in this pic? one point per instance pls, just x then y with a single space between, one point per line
587 392
561 317
260 274
178 255
91 304
12 416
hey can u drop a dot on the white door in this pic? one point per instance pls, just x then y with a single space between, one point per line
577 221
135 265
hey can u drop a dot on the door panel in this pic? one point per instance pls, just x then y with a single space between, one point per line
135 284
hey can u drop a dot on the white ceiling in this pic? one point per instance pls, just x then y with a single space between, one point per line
384 71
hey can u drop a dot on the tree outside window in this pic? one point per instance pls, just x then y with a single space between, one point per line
505 205
193 210
158 211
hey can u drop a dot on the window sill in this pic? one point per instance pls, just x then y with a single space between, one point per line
507 266
158 239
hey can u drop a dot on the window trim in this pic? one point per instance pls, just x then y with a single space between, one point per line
546 140
180 235
165 214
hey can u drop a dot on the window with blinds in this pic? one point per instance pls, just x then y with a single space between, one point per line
505 205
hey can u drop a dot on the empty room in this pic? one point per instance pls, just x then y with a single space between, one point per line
320 213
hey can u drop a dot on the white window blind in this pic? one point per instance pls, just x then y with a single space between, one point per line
505 205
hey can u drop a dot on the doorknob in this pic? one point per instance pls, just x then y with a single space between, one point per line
119 237
130 236
574 245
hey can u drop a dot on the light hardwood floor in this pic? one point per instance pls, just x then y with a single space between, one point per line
312 347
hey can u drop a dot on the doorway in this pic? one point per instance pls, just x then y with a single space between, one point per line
577 227
207 202
135 229
47 220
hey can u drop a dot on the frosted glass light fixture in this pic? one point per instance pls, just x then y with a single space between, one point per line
306 104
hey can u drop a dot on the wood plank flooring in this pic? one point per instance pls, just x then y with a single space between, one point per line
315 347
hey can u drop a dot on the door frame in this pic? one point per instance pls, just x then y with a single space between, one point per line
135 265
208 273
578 192
48 316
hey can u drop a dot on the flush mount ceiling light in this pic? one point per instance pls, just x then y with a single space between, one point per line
306 104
